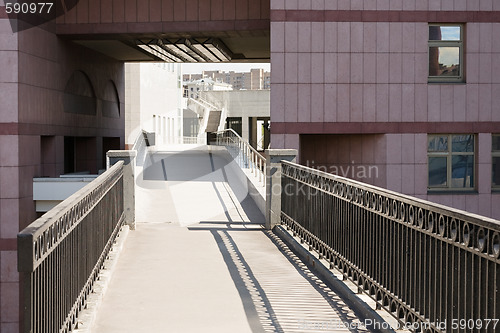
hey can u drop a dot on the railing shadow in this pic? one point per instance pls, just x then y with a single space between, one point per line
414 258
257 304
347 318
260 314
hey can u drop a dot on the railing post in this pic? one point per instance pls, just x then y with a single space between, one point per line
128 157
252 158
273 183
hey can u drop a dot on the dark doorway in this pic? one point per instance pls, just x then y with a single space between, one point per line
109 143
69 154
80 155
48 156
235 123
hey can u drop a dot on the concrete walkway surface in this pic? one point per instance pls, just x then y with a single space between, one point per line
200 261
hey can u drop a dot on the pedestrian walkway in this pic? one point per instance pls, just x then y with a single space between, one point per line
200 261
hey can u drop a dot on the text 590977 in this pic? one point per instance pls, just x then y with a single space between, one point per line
28 7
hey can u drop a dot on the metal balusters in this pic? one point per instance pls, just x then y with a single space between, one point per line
247 157
430 266
61 253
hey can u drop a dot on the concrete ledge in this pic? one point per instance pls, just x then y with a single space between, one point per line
281 152
121 153
357 302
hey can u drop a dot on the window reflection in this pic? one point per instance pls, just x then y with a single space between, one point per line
445 53
437 171
463 143
444 32
438 143
495 161
496 171
496 143
451 161
462 173
444 61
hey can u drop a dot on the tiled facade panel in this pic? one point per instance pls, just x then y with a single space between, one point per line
484 202
448 5
360 157
397 162
9 180
47 64
9 76
392 56
139 11
36 66
372 77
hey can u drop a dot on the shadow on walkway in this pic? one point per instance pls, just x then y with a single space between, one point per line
297 313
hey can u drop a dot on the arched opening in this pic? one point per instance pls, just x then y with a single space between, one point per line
79 95
111 101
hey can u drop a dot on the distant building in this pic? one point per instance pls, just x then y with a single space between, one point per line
246 112
256 79
213 105
154 101
192 89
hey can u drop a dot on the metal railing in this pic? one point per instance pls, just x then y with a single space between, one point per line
243 153
61 253
434 268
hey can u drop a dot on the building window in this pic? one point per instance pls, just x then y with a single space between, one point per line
495 148
451 162
446 56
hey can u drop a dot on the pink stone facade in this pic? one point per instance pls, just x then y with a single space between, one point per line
350 86
169 16
36 66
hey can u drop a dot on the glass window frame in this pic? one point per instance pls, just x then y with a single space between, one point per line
449 167
447 43
494 153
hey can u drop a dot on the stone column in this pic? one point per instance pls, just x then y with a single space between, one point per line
128 157
273 183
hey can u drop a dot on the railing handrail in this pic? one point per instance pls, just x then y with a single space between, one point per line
46 224
457 213
415 258
61 254
205 104
243 141
249 157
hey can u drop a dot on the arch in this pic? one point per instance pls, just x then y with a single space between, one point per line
79 95
111 101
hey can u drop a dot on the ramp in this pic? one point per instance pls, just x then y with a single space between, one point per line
200 260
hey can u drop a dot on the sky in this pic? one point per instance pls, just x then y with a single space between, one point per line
449 55
197 68
450 33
